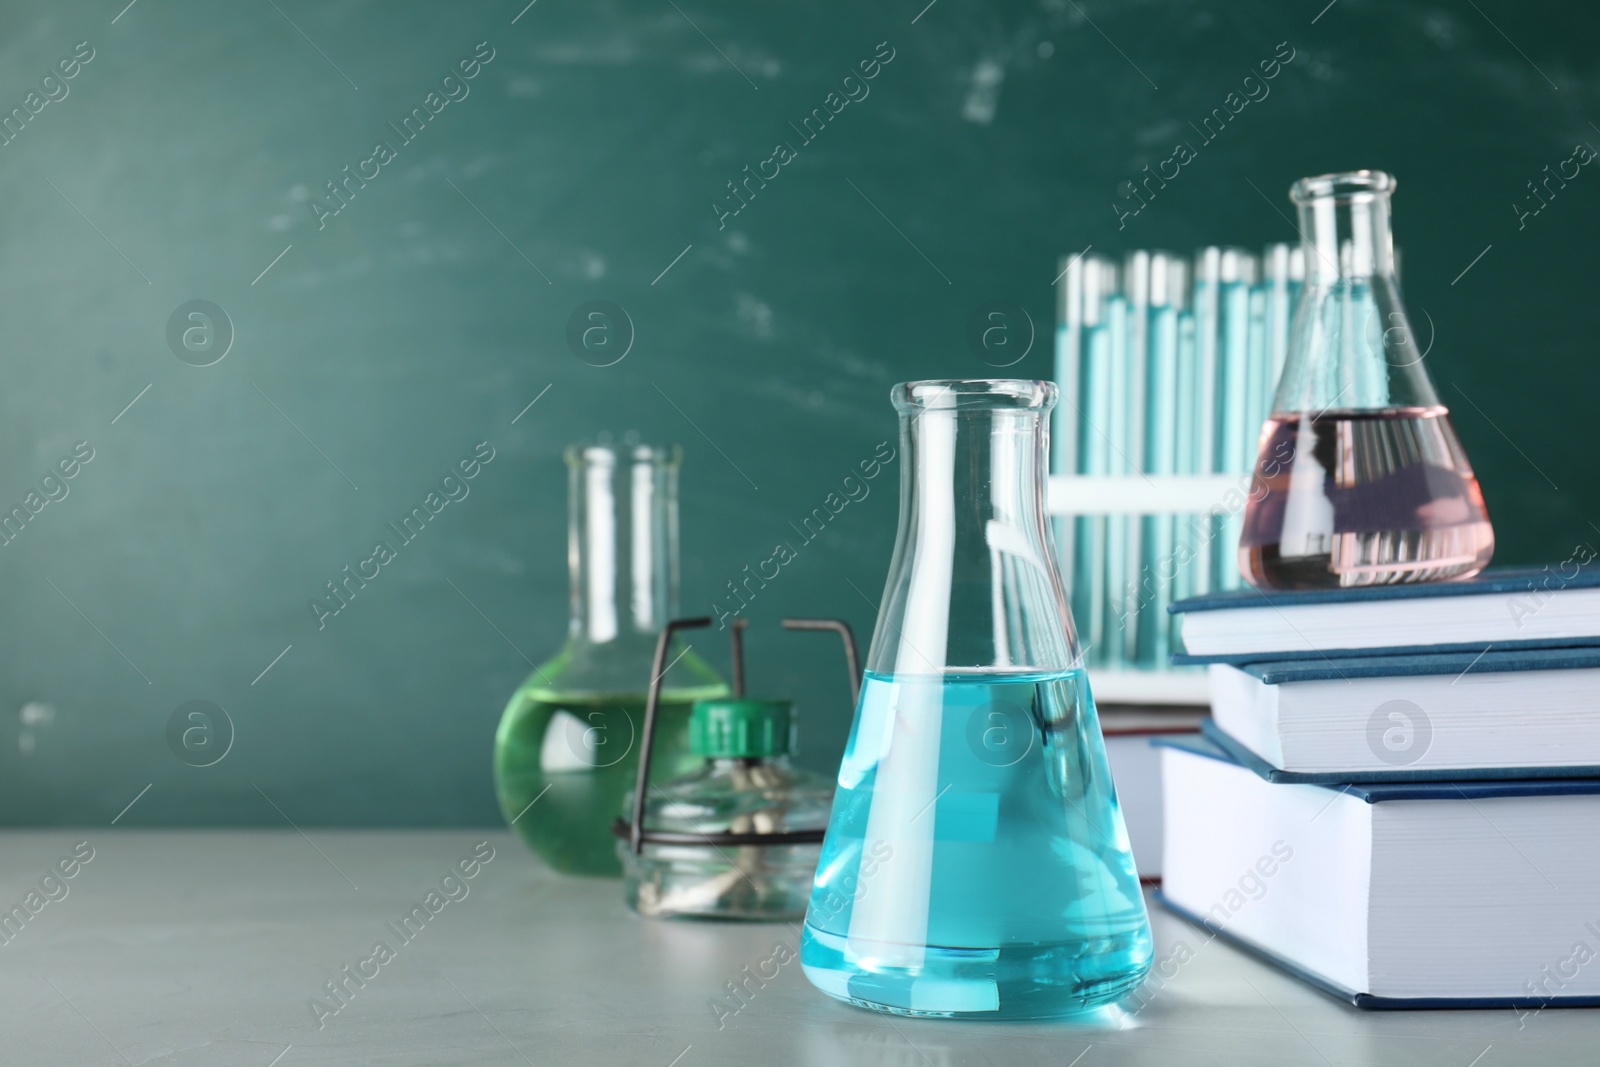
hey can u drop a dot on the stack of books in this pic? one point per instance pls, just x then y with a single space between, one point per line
1398 795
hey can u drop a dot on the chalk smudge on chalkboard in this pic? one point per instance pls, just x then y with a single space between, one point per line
855 89
983 98
1254 89
455 89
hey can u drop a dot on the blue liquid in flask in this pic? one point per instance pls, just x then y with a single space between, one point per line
976 864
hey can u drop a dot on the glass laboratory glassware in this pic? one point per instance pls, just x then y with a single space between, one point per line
1359 478
746 786
976 863
569 737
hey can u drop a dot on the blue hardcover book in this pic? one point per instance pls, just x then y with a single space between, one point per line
1554 606
1525 713
1421 894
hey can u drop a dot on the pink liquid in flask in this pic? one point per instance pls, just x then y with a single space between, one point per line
1375 497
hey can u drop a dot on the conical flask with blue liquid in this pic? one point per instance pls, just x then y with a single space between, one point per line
976 864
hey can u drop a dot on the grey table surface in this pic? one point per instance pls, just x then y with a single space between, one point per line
209 948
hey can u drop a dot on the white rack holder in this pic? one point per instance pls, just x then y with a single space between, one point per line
1075 496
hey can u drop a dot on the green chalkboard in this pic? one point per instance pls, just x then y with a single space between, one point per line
392 211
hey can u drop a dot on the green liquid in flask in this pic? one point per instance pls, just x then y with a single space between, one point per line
564 762
976 864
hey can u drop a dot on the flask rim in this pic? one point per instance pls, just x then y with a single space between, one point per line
986 394
1343 187
616 454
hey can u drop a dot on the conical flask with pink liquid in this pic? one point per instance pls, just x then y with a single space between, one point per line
1360 478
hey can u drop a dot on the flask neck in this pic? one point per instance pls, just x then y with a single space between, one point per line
1351 345
972 585
1347 239
622 540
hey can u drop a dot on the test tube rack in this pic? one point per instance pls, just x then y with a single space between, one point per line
1166 368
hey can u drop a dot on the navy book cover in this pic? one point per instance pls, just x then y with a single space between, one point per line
1535 581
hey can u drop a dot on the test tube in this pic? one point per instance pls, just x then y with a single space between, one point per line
1124 532
1284 267
1207 279
1186 436
1064 420
1237 426
1096 281
1207 283
1236 272
1115 426
1158 559
1259 360
1069 362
